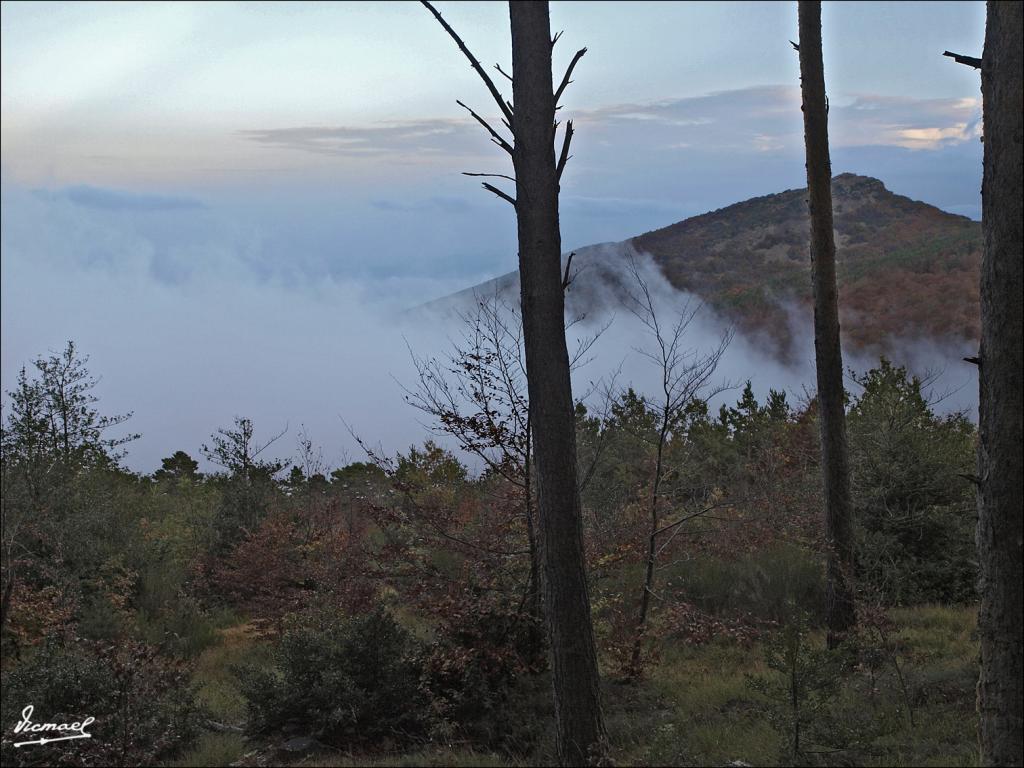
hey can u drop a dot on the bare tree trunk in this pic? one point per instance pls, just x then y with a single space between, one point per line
828 355
999 453
635 663
580 728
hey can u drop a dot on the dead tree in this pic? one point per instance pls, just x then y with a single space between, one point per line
840 609
1000 468
580 733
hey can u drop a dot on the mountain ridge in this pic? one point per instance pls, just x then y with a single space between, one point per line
905 269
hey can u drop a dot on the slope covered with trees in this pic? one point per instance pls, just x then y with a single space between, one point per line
897 261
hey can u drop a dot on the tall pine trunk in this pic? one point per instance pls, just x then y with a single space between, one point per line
828 355
1000 469
580 729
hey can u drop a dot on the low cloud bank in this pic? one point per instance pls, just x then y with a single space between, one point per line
599 295
953 382
216 339
189 324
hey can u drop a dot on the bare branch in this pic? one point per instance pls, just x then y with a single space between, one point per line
472 60
503 72
565 278
491 175
568 73
375 455
258 449
495 136
969 61
692 515
564 157
609 388
555 38
583 345
499 193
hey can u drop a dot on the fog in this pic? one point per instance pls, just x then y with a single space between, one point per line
278 292
622 339
951 383
186 333
190 317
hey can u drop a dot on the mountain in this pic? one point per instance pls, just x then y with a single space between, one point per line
906 269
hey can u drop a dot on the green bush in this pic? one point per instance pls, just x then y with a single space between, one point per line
802 694
143 707
914 510
100 619
344 680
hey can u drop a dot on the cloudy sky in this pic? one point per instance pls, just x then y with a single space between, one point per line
222 203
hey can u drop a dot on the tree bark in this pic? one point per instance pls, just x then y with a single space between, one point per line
828 354
580 728
535 607
1000 466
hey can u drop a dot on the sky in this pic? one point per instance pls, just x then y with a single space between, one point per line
227 204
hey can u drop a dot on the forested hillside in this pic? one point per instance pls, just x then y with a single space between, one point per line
899 262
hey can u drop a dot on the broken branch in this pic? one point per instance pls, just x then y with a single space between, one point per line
568 74
563 158
970 61
495 136
565 278
499 193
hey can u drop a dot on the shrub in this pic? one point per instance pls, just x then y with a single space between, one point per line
913 507
347 680
480 676
100 619
802 695
144 709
